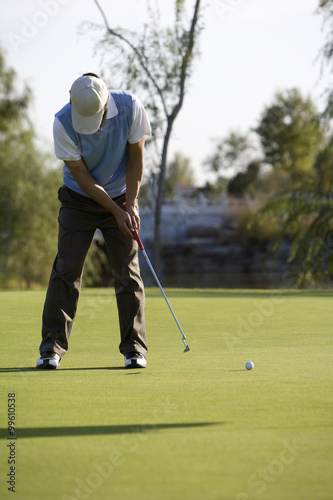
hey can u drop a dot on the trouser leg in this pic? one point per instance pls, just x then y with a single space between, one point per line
65 283
123 253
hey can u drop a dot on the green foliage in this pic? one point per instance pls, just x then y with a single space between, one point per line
291 135
28 201
215 189
325 8
236 154
179 173
28 196
179 7
326 53
32 246
243 181
306 218
296 143
154 62
269 182
29 206
293 183
324 169
231 153
13 106
96 261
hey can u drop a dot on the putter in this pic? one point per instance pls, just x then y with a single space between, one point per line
139 242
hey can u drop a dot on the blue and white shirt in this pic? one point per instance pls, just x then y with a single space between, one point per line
106 151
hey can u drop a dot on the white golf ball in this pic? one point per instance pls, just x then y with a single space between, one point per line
249 365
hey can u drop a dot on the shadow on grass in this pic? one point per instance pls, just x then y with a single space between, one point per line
225 293
99 430
34 369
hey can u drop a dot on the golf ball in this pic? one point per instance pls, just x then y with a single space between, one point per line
249 365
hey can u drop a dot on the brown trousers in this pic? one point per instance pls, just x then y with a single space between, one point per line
79 217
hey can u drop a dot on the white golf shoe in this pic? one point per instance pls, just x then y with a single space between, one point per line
135 360
48 360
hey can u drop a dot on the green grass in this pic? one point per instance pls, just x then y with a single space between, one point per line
191 426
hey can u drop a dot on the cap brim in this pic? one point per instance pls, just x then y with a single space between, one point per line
86 125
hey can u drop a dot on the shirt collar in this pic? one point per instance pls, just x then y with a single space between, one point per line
112 108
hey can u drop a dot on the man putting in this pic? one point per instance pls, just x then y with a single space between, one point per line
100 136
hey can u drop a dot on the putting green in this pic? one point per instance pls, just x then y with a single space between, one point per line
191 426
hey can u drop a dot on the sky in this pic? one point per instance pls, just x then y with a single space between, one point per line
250 49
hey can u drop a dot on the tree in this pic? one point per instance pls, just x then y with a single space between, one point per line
28 195
231 154
13 106
179 173
296 142
27 235
305 213
306 218
157 63
291 135
243 182
235 154
326 9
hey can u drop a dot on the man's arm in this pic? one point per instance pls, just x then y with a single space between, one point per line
86 181
134 174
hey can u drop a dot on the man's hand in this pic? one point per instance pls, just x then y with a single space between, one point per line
124 222
134 173
89 185
128 220
134 216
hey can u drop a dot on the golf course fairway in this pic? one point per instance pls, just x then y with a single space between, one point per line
191 426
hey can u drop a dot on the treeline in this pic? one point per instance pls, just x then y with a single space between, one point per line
282 169
29 180
27 203
285 163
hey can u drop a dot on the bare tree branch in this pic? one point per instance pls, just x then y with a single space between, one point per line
137 53
165 71
187 58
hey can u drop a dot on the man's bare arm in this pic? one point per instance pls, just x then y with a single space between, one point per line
134 174
88 184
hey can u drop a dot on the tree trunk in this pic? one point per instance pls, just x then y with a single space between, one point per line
183 75
170 121
160 198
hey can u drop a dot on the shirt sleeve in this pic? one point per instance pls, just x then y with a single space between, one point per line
140 127
65 149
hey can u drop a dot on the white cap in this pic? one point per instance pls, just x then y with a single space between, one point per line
89 95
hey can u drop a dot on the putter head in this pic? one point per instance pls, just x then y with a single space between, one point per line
187 348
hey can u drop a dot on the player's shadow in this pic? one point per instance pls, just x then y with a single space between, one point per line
34 369
99 430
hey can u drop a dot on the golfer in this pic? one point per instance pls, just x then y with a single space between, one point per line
100 136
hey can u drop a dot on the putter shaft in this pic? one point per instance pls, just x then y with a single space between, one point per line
137 238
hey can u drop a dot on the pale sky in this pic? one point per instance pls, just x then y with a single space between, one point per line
250 49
